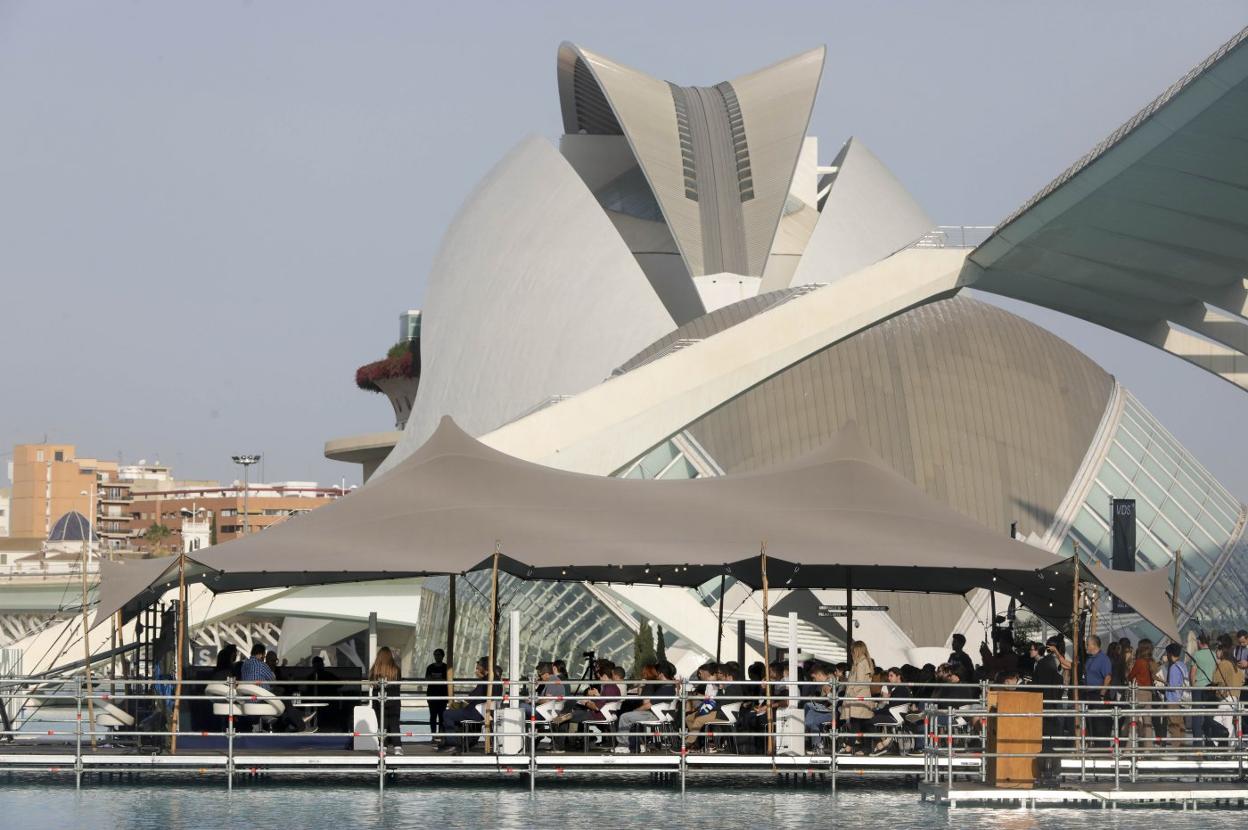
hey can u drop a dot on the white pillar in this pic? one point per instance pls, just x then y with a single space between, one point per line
372 638
792 647
513 656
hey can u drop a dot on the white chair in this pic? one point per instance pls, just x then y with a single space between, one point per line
660 716
728 714
221 704
898 727
259 702
113 717
609 716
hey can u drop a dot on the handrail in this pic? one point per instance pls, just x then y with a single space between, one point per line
950 732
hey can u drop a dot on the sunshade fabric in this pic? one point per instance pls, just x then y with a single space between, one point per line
836 517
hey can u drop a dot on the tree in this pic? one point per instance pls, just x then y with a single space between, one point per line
660 647
643 647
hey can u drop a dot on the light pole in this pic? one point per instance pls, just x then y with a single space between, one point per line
246 461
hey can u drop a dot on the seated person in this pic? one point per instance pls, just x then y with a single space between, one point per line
702 707
657 688
597 696
478 697
818 711
255 670
750 718
550 690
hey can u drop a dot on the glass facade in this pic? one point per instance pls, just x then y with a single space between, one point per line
1179 506
559 620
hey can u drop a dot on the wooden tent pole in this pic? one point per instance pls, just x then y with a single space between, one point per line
181 658
719 628
771 744
450 643
489 677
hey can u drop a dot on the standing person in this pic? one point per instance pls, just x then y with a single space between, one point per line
1047 672
1098 671
961 659
1176 679
436 689
1227 680
1143 674
1204 665
857 709
384 668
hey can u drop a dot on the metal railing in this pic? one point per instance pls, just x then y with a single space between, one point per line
940 734
954 236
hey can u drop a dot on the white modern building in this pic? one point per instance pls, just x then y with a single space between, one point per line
687 284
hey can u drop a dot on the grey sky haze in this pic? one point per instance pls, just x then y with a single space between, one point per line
212 213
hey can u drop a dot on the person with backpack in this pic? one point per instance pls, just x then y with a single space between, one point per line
1176 680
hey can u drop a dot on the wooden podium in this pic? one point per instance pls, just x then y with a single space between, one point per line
1015 735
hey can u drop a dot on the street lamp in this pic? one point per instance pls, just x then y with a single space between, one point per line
246 461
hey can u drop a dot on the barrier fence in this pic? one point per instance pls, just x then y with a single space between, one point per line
335 726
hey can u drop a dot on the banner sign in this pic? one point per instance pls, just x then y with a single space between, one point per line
1122 528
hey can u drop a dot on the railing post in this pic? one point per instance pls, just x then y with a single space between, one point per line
1081 730
836 688
381 735
683 697
1117 749
532 737
78 734
1135 729
230 698
949 748
983 703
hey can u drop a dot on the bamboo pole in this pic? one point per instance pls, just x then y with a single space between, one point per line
489 678
86 635
719 628
181 658
450 642
771 743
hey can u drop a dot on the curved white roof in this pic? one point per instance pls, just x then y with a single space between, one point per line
867 216
531 259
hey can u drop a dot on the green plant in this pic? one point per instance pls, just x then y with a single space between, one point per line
660 646
402 360
643 647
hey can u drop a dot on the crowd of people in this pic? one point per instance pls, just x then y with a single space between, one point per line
1192 694
877 710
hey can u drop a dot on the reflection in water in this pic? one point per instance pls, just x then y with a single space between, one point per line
583 804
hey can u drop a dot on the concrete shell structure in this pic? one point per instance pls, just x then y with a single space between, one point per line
529 277
797 297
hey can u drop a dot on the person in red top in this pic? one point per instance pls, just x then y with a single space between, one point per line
1143 674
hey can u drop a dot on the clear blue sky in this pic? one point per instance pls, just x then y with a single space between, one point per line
212 213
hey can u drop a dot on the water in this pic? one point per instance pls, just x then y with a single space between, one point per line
729 805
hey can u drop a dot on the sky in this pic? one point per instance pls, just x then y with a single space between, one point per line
212 213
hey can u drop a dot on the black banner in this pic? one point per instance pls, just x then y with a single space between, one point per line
1122 526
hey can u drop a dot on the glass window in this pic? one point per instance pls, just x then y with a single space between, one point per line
1114 483
658 458
1122 460
1214 527
680 468
1180 520
1148 488
1149 553
1156 469
1090 531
